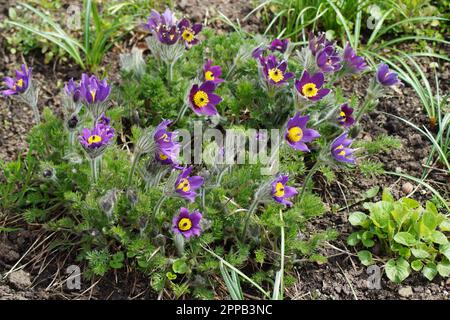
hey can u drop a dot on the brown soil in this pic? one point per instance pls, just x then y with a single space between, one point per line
343 277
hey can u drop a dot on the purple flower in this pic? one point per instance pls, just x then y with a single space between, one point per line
19 84
316 43
203 100
345 116
310 87
279 45
94 90
163 137
352 62
386 77
328 59
273 71
73 90
156 20
104 120
188 33
297 135
258 52
98 137
187 224
212 73
168 35
280 191
168 156
186 186
340 149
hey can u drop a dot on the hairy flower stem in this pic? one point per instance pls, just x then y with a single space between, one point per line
250 211
157 208
136 157
180 113
170 72
94 168
308 177
37 117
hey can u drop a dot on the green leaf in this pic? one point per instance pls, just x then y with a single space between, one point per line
443 268
359 219
405 238
438 237
372 192
379 214
171 276
387 196
397 270
430 271
367 239
445 225
445 250
420 253
416 265
180 266
365 257
353 239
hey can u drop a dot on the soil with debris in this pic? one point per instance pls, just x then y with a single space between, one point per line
28 270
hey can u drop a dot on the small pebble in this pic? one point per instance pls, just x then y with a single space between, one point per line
407 187
405 292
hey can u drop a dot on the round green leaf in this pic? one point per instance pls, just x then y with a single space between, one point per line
445 250
358 219
365 257
430 271
397 270
405 238
180 266
438 237
420 253
416 265
353 239
443 268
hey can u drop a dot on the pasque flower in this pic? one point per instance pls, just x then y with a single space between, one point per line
93 90
168 35
345 116
73 90
203 100
352 62
187 224
341 151
212 73
279 45
96 138
316 43
274 72
168 156
162 137
297 135
186 186
19 84
386 77
156 20
258 52
281 191
328 59
310 87
189 33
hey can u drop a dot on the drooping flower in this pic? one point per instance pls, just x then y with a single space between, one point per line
156 20
258 52
104 120
212 73
168 156
341 151
317 43
386 77
275 72
162 137
93 90
352 62
310 87
345 116
187 224
279 45
186 186
297 135
73 90
96 138
19 84
168 35
189 33
281 191
328 59
203 100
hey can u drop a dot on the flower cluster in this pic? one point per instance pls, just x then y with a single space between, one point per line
169 31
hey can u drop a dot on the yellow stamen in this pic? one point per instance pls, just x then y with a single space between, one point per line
342 153
93 92
279 190
188 35
342 114
209 76
201 99
309 90
276 75
94 139
184 224
165 137
20 83
295 134
340 147
184 185
162 156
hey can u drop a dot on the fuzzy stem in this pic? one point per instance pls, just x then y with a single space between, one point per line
157 208
308 177
181 113
37 117
250 211
94 169
136 157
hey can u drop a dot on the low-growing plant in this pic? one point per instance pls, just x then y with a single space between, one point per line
410 236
